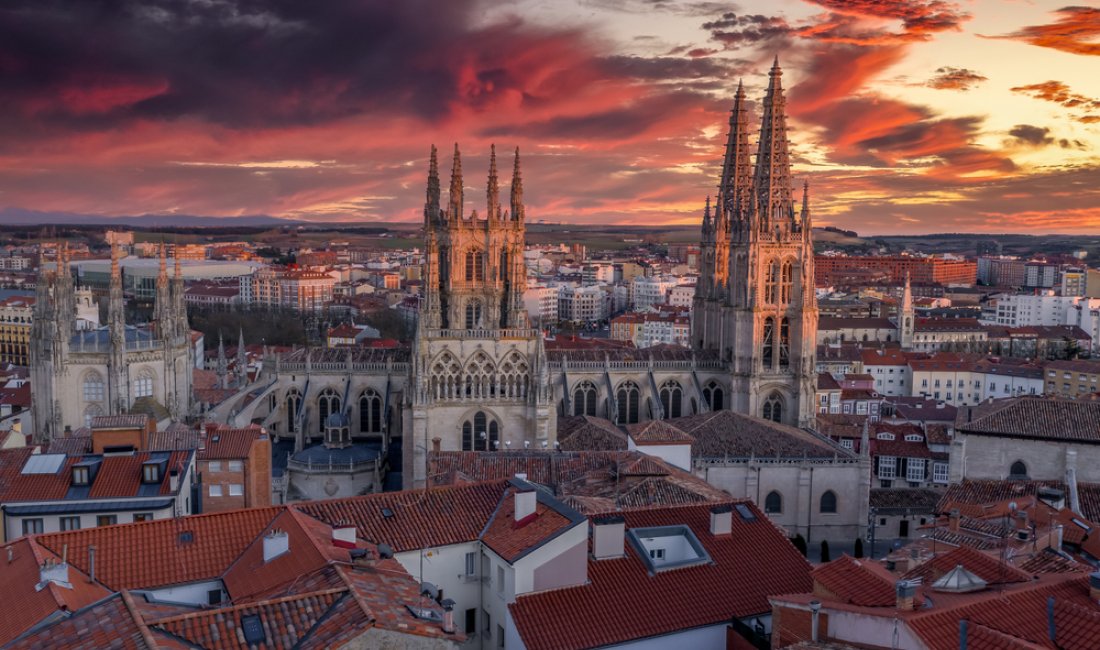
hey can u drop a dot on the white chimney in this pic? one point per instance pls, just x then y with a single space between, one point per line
1058 531
276 542
174 480
608 537
721 520
525 503
55 572
343 536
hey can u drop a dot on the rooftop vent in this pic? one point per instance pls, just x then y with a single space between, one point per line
721 520
54 572
385 551
387 513
906 590
186 537
276 542
343 536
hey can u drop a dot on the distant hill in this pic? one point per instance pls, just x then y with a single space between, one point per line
21 217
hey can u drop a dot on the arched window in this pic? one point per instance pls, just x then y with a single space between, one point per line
584 399
327 404
475 266
713 394
93 387
773 503
293 405
91 411
479 377
511 381
480 433
786 282
473 315
143 385
1017 470
771 282
769 343
773 408
370 412
828 502
446 377
628 396
784 343
672 397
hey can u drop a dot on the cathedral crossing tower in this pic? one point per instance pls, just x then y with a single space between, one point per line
756 304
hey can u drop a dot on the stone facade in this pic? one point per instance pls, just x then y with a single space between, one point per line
79 373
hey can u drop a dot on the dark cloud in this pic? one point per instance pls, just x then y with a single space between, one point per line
733 30
949 78
1035 136
918 17
668 68
1075 31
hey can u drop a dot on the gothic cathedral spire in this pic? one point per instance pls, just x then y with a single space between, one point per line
772 177
431 203
492 188
454 211
517 191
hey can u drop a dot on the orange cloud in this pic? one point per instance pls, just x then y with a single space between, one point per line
1075 32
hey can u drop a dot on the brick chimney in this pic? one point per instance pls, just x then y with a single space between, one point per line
276 542
608 537
448 616
525 504
906 591
953 519
436 444
721 519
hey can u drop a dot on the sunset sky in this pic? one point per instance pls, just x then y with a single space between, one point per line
907 116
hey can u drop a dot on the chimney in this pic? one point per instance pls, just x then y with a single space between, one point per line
1021 520
525 504
953 520
55 572
91 564
1094 587
962 634
385 551
343 535
1057 539
815 611
436 443
721 520
448 616
174 479
608 537
276 542
906 590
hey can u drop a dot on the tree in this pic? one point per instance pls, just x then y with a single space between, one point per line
800 543
859 547
825 551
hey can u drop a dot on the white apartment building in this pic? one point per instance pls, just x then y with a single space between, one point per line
602 273
542 303
1047 309
963 383
682 295
651 291
584 304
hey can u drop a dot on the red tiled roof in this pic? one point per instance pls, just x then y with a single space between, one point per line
125 421
20 575
853 581
106 624
657 432
230 443
622 601
166 556
121 476
420 518
985 567
511 539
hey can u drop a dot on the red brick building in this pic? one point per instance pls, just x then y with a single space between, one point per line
833 269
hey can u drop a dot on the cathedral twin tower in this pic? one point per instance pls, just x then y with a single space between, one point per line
755 304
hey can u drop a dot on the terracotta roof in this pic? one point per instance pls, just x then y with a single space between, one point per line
724 433
657 432
20 576
511 539
125 421
588 433
988 568
1037 417
860 582
918 499
231 443
417 518
108 623
622 601
173 551
1049 561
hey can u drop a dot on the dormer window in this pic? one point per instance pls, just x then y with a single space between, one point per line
80 476
885 436
150 473
914 437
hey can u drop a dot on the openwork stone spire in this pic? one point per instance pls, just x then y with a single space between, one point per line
454 210
492 191
431 203
736 182
517 191
772 178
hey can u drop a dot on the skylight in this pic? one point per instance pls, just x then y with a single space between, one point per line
668 547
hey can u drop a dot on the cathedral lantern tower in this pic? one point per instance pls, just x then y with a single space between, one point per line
759 312
478 382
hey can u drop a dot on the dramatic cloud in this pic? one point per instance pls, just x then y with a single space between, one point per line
1035 136
1076 31
919 18
949 78
1059 93
735 31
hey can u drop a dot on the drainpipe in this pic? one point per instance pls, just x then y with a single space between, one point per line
815 610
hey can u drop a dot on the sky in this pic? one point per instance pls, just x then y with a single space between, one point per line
906 116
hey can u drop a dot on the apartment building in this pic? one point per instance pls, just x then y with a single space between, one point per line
1072 378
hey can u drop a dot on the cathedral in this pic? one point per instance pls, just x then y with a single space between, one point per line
477 376
79 373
